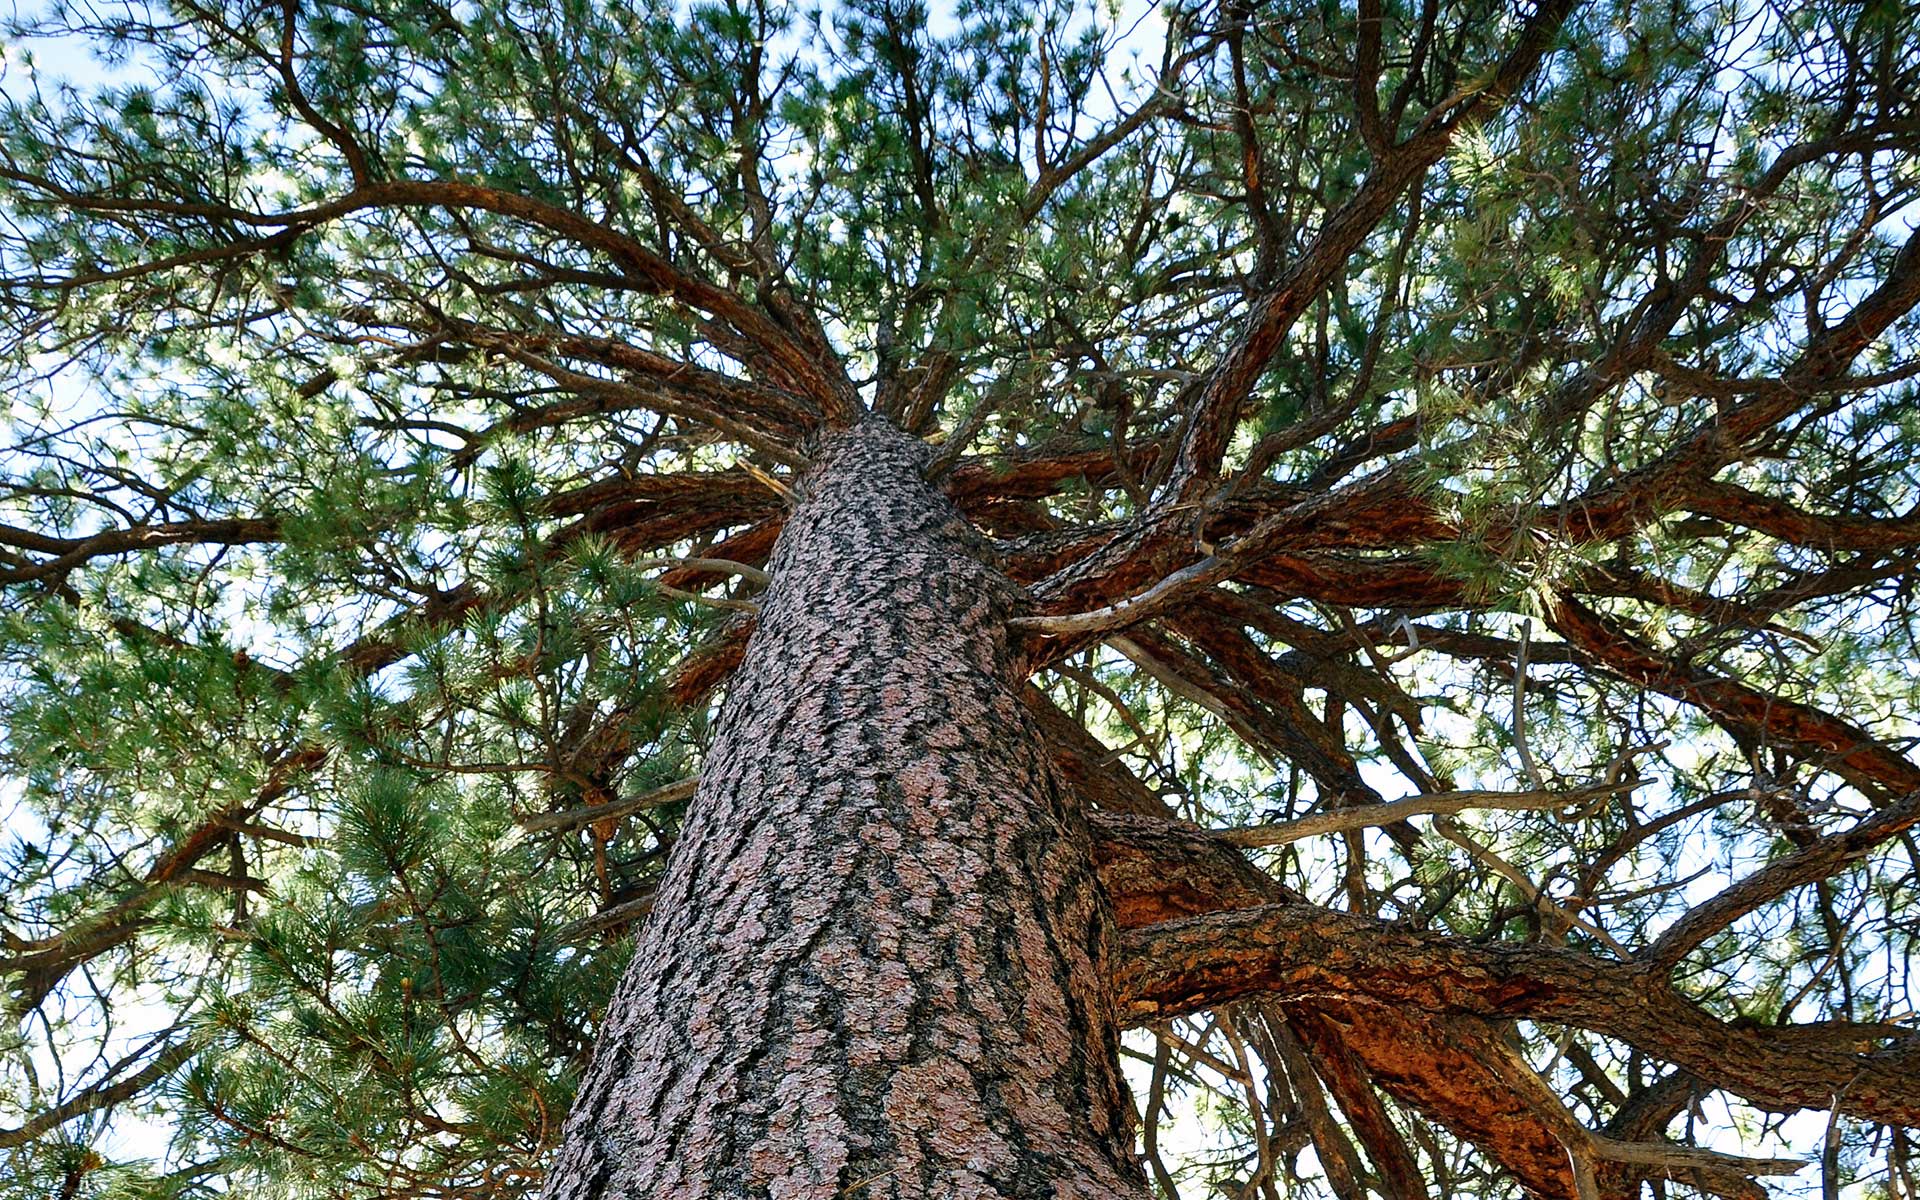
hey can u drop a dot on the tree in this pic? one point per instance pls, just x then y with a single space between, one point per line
1373 546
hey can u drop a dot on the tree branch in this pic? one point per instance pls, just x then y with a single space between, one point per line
1297 952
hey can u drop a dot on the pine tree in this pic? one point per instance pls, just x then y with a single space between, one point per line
726 600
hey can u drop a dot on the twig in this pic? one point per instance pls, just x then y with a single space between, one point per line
573 818
1123 612
955 445
778 488
1446 828
1279 833
1815 861
745 606
1520 706
1671 1155
620 914
727 566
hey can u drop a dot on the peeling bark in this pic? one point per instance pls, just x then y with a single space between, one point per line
877 965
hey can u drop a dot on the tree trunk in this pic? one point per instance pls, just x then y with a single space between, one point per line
877 965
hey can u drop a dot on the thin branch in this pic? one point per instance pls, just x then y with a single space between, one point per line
575 818
1280 833
1814 862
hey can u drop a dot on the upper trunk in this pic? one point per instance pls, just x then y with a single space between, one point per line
877 964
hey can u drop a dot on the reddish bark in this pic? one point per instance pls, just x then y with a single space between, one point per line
1445 1067
1299 952
877 964
1848 750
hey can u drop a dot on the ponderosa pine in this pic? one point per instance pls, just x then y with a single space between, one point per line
709 600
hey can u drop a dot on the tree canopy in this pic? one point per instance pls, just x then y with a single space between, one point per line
1505 416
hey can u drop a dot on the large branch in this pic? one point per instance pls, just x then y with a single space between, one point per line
1156 870
40 964
1836 744
1623 501
1374 511
71 552
105 1096
1298 952
1455 1070
1811 863
1778 519
1148 567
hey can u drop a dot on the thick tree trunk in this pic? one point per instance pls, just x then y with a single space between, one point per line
877 965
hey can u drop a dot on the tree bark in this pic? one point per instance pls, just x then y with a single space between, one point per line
877 966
